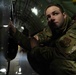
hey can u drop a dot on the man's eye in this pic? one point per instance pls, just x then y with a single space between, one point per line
55 13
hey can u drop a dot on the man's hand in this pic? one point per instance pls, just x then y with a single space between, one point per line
11 27
34 42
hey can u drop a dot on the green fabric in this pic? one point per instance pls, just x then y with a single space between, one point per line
56 58
65 24
23 40
44 35
61 61
67 42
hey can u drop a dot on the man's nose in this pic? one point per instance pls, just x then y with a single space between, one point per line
52 17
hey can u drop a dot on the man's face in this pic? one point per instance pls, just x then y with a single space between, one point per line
55 17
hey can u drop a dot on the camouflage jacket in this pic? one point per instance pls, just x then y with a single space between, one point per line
53 59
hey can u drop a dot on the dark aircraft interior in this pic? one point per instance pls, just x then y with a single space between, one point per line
27 16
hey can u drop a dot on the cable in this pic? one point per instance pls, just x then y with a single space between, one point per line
8 68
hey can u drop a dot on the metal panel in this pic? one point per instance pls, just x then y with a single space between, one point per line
6 9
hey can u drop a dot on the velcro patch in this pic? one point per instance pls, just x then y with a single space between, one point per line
65 42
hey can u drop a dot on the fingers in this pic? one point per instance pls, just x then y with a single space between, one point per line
11 26
36 37
33 42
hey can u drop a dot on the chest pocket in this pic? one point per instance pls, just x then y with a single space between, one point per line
67 43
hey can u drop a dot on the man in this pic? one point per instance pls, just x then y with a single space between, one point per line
57 54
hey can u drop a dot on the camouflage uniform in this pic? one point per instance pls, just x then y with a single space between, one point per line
44 35
57 55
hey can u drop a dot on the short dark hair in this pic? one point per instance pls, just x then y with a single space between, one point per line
55 4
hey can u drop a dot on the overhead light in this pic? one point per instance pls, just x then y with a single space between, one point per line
34 10
19 71
5 25
22 27
3 70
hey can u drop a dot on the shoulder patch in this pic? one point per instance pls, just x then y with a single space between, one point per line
65 42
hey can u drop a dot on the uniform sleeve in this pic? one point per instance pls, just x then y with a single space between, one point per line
67 43
38 51
24 40
44 35
45 53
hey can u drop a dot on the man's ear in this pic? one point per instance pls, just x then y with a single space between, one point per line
65 15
